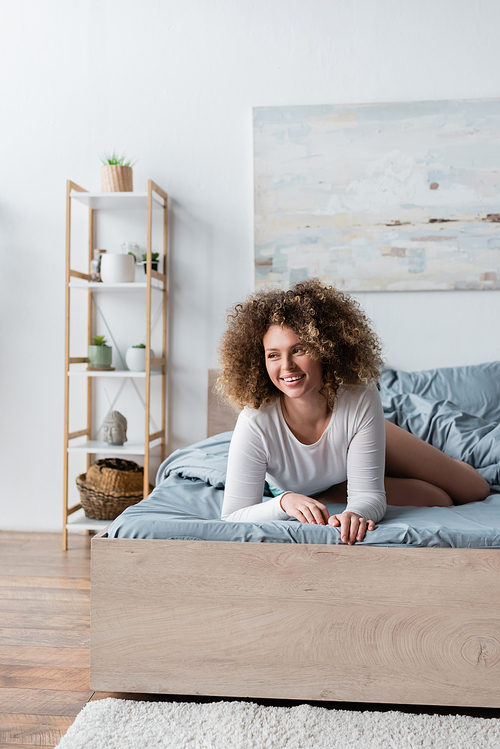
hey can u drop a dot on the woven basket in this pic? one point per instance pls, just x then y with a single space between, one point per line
116 178
109 487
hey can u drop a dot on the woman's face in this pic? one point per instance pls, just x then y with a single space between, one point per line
291 370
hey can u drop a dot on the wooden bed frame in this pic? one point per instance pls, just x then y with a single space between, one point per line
289 621
298 622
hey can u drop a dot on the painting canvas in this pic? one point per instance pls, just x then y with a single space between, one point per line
379 197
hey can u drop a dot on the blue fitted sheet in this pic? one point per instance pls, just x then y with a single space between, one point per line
186 502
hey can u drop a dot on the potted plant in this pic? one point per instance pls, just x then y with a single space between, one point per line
135 358
116 173
154 261
100 353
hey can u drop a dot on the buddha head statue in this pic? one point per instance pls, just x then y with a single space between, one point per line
115 428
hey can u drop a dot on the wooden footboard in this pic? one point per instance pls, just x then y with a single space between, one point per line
291 621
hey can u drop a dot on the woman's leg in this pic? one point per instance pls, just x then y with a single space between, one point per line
419 474
401 492
404 492
408 457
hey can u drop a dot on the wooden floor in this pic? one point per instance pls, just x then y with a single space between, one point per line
44 636
44 642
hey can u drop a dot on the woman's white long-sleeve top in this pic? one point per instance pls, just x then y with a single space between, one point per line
352 447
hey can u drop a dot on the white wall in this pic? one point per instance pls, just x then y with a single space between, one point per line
173 84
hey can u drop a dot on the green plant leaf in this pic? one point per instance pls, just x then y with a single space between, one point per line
139 345
99 340
112 159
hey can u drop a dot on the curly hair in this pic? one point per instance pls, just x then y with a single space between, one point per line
330 325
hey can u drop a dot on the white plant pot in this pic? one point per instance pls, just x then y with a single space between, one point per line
136 359
117 268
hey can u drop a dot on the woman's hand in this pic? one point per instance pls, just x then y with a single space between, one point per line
352 526
304 508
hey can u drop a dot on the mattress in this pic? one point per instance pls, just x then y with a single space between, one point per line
187 500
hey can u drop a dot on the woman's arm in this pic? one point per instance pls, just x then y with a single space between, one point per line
366 459
366 501
245 478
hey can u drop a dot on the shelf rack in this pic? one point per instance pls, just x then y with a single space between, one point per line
154 199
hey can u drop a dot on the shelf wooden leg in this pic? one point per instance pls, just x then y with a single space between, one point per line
65 502
164 332
147 394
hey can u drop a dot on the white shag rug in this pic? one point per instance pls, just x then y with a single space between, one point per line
125 724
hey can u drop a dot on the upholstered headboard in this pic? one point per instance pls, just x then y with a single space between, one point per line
221 417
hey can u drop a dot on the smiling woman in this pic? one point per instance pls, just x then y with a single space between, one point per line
303 365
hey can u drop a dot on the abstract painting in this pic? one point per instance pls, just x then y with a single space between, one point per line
379 197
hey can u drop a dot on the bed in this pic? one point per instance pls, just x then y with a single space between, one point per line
183 603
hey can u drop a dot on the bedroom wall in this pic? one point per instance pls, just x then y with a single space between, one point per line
173 84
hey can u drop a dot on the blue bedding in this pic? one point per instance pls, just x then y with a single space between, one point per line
455 409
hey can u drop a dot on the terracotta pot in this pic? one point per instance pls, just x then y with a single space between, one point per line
115 178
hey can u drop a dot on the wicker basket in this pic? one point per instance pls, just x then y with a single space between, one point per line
109 487
116 178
